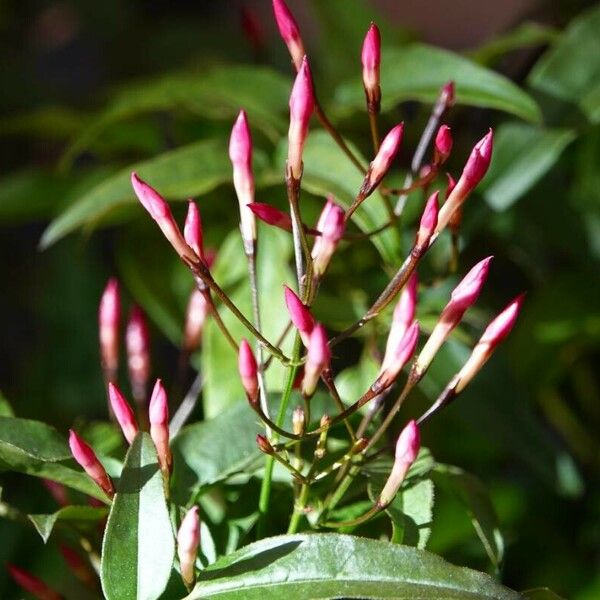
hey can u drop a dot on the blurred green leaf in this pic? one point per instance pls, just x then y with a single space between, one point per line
540 594
296 567
590 104
5 407
139 545
49 122
417 72
81 517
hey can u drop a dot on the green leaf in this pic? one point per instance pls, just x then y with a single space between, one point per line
476 498
417 72
5 407
590 104
82 517
540 594
139 545
522 156
296 567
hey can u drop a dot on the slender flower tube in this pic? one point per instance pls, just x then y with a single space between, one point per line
407 450
473 172
195 317
192 230
331 224
240 154
159 210
397 358
443 145
428 222
137 340
88 461
109 315
317 359
158 415
248 372
302 104
371 61
465 294
32 585
289 31
123 413
188 540
300 315
271 215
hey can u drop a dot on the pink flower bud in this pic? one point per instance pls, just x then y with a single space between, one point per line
195 317
88 461
109 315
428 222
495 333
158 415
451 185
159 210
448 94
271 215
31 584
299 314
264 445
464 295
443 144
137 340
371 60
192 230
58 491
317 359
240 153
248 371
384 158
331 224
301 108
397 357
289 31
475 168
407 450
123 413
188 540
252 27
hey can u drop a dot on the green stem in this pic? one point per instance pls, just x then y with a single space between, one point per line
299 509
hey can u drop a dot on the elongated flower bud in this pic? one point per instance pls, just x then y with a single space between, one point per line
397 358
302 105
32 585
317 359
371 61
428 222
188 540
248 371
123 413
192 229
271 215
299 314
443 145
160 211
240 153
465 294
252 27
88 461
137 340
195 317
264 445
289 31
80 568
448 94
158 415
407 450
298 420
58 491
473 172
109 316
331 224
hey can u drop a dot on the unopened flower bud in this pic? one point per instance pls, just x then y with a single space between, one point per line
397 358
271 215
58 491
289 31
428 221
264 445
80 568
371 61
123 413
473 172
109 315
137 340
359 445
301 108
252 27
317 359
188 540
331 224
443 144
298 420
31 584
195 317
88 461
158 415
448 94
325 422
192 229
248 371
464 295
240 153
407 450
299 314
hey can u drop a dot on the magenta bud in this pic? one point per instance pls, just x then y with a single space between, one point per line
123 413
331 224
396 358
192 230
248 371
271 215
109 316
301 108
289 31
371 61
448 94
443 144
195 317
188 540
252 27
299 314
158 415
137 340
58 491
31 584
317 359
428 222
88 461
384 158
264 445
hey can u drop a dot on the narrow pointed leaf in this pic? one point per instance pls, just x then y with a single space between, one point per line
81 517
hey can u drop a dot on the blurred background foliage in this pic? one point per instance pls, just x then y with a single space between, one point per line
90 89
